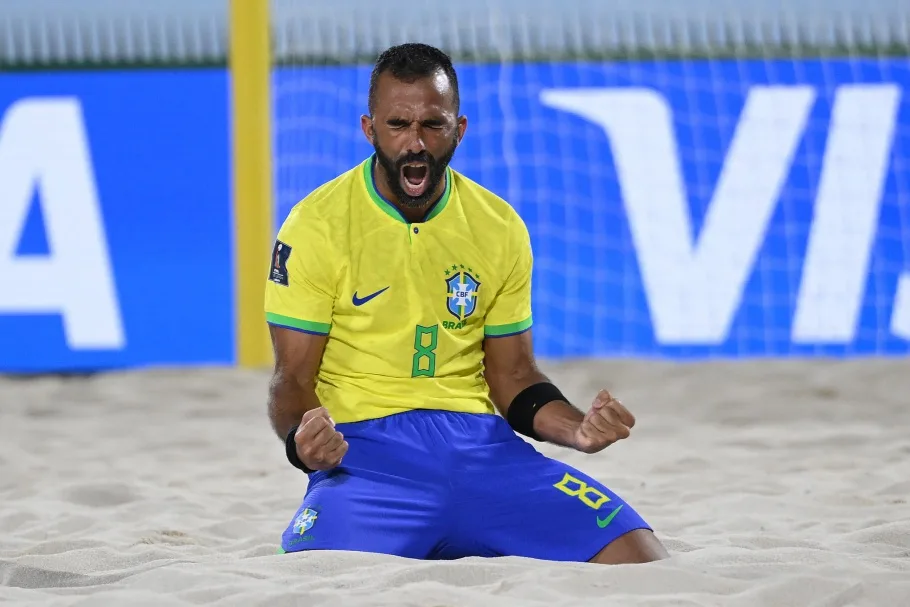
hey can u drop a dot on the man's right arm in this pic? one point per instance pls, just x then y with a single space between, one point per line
293 401
292 390
299 301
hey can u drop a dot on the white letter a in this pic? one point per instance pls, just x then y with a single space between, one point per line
43 146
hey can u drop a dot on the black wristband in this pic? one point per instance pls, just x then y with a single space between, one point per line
290 448
526 405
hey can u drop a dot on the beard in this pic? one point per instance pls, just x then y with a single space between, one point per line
436 168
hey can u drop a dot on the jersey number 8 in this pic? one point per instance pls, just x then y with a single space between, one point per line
424 361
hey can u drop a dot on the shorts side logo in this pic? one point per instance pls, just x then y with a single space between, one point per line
589 496
603 522
305 521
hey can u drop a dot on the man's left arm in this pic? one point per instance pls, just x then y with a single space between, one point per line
510 369
518 388
535 407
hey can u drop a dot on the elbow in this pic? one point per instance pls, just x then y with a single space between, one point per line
277 383
289 396
273 403
514 374
281 392
505 384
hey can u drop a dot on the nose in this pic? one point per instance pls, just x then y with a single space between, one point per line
415 143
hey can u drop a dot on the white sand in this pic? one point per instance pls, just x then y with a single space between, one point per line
772 483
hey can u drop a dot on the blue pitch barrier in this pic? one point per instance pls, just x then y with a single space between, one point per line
677 209
115 237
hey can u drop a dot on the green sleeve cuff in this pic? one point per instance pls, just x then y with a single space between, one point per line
506 330
304 326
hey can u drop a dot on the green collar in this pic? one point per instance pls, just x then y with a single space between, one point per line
390 209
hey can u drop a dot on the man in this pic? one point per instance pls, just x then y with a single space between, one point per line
399 307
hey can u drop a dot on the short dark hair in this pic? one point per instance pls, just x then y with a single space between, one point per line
410 62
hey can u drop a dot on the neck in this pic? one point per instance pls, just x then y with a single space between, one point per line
412 214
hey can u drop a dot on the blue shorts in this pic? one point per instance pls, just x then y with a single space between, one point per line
441 485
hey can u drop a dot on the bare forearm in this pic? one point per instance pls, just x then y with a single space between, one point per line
289 399
558 422
555 423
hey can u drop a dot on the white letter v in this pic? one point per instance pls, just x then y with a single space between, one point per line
694 289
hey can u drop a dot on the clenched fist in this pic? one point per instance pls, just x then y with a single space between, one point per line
319 445
607 422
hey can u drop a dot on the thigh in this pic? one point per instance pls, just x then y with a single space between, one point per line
386 497
348 510
538 507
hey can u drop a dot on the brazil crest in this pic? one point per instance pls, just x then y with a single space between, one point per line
461 297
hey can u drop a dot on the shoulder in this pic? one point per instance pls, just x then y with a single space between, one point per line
328 204
482 205
490 212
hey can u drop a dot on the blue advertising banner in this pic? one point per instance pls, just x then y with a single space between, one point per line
677 209
115 241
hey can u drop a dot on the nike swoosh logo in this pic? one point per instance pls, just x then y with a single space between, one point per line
359 301
606 521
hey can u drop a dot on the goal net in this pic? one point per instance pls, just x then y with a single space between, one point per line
696 183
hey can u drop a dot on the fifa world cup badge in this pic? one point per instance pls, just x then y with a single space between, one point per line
279 271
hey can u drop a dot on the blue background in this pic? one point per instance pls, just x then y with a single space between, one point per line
160 150
160 145
556 169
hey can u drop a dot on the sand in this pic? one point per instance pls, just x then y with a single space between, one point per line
772 483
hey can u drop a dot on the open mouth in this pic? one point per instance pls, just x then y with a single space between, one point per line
414 177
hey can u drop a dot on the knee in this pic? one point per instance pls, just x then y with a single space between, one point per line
638 546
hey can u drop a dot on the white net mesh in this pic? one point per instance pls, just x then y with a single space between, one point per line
699 178
37 33
741 188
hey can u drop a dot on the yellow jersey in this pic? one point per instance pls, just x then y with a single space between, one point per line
405 306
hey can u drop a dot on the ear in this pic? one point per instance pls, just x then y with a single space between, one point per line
366 125
462 127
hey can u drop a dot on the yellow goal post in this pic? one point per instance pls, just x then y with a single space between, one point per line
249 73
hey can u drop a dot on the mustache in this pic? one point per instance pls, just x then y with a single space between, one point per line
418 157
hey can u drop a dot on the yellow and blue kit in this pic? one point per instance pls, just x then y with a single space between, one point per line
432 471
